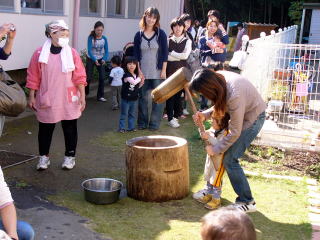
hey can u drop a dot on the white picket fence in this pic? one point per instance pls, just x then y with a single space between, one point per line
287 75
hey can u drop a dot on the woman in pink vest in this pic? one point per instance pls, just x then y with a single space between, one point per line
56 79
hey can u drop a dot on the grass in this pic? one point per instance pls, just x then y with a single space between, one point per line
283 206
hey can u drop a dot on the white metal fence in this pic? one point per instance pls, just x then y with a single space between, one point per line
288 77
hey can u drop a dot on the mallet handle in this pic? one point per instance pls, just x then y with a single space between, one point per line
193 106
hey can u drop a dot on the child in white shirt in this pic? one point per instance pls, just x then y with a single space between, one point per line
214 169
116 75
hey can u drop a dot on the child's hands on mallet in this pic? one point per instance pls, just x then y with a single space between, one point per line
198 118
204 135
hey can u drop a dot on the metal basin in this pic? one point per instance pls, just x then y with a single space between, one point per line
101 190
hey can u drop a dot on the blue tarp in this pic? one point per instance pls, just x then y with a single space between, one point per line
233 24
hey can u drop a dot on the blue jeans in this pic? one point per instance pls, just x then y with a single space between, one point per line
24 229
236 175
128 109
157 109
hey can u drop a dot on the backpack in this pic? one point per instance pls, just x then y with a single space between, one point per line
12 97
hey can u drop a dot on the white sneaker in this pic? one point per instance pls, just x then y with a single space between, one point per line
246 207
173 123
68 162
43 163
102 99
176 120
200 194
185 112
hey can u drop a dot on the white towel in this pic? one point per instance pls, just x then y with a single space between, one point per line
66 56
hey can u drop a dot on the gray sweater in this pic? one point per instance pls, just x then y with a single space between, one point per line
244 104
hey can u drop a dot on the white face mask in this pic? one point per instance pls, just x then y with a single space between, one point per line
63 42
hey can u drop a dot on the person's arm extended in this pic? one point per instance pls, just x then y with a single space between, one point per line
9 220
5 29
8 46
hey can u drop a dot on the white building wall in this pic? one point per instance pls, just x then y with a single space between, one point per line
119 31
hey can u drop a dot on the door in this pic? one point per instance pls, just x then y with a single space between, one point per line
314 37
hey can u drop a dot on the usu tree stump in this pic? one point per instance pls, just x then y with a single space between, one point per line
157 168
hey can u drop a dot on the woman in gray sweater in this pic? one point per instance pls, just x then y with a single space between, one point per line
232 93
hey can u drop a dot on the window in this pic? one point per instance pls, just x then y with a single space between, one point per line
135 8
42 6
116 8
53 6
35 4
89 7
6 4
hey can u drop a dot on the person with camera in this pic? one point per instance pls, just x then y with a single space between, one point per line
8 216
8 31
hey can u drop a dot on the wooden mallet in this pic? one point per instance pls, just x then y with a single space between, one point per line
176 82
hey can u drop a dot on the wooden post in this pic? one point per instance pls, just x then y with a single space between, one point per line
157 168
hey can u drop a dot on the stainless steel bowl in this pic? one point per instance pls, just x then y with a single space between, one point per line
101 190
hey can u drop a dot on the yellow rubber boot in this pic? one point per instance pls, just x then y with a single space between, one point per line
204 199
213 204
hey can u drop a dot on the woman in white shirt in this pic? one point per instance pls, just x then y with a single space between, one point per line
179 50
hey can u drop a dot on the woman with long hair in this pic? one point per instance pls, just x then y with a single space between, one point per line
151 50
233 94
97 55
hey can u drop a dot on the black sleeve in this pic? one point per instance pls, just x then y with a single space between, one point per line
3 55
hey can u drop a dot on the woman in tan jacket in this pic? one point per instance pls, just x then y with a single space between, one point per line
232 93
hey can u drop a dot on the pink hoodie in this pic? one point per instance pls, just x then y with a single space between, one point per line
57 95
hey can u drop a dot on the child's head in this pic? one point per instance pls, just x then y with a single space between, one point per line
221 123
131 64
116 61
217 36
227 223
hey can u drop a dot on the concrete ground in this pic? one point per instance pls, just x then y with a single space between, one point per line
48 220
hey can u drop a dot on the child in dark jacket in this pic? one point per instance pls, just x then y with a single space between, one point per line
129 95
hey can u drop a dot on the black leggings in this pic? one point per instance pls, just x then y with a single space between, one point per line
174 106
70 133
